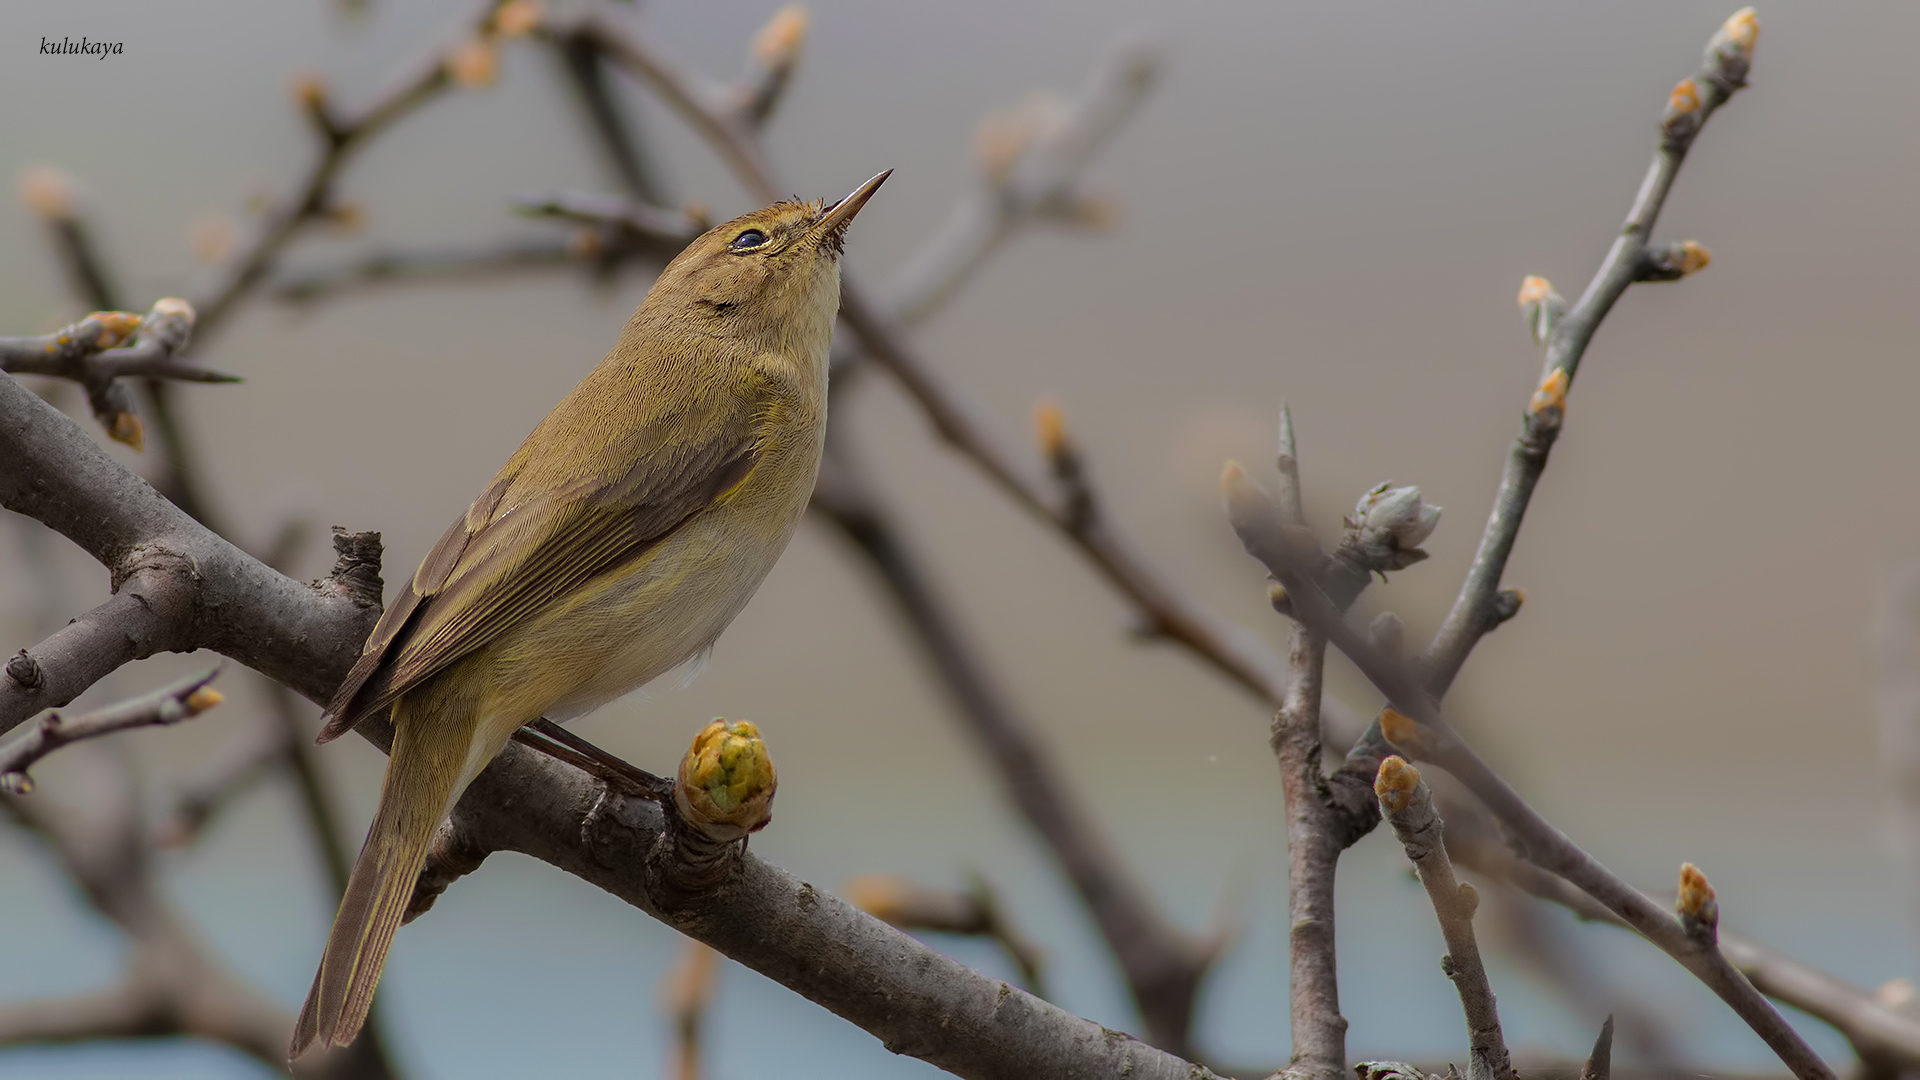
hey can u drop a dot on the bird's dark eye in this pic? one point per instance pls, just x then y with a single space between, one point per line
752 238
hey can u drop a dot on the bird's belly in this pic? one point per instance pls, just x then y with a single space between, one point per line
626 630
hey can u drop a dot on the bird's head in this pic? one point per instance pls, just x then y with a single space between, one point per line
771 277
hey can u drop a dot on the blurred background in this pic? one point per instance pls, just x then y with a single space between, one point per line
1325 203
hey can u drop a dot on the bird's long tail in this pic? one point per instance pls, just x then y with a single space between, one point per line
421 783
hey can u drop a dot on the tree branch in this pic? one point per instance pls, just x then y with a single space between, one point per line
916 1000
1407 803
1480 607
1418 731
168 705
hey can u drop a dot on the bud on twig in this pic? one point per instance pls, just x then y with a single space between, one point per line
1388 525
1672 261
777 46
727 781
1063 459
1401 730
1549 404
1394 784
1541 307
1730 51
1698 910
1506 604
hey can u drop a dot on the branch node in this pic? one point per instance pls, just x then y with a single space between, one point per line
25 671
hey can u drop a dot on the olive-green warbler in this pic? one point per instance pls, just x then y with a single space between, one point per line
614 546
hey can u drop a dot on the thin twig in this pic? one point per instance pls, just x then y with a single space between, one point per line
1480 607
1031 159
971 912
1407 804
107 346
168 705
1874 1029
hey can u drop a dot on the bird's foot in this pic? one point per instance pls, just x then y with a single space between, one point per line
562 745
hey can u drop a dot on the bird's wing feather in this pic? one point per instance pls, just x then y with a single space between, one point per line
506 559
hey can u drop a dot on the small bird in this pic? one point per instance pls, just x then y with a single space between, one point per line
614 546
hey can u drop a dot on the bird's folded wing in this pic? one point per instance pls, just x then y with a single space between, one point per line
505 560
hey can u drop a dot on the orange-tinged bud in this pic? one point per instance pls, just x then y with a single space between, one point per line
347 216
517 18
203 699
1050 426
1741 30
1698 910
115 327
1693 257
125 427
474 64
1395 782
1534 289
727 778
1400 729
47 190
1684 99
779 42
1552 395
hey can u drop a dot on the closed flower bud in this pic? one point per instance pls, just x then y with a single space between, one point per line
170 323
1541 307
1699 911
727 779
1388 525
1730 51
1550 401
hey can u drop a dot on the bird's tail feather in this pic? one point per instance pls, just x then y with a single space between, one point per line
416 794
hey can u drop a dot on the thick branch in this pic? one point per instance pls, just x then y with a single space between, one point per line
917 1001
1478 608
177 585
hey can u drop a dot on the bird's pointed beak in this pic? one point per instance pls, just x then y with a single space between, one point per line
842 212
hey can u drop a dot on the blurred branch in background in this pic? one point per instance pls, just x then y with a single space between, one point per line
972 912
686 991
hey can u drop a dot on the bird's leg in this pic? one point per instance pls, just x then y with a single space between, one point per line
562 745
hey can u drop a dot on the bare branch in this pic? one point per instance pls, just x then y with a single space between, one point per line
1418 731
1873 1028
1479 607
102 348
1599 1064
171 986
1407 804
168 705
1031 159
917 1001
770 63
972 912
